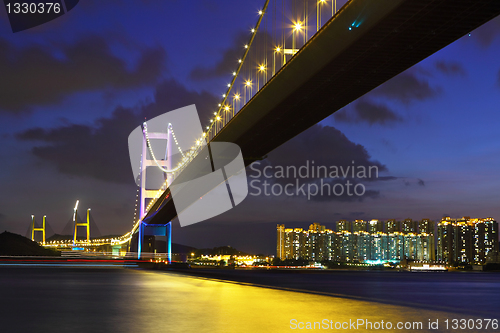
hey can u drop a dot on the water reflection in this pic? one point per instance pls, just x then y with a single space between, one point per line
125 300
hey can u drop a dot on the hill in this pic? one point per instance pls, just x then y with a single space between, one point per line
17 245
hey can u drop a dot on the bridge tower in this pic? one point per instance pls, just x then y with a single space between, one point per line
145 163
144 228
82 224
33 229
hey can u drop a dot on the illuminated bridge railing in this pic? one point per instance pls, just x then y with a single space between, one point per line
282 29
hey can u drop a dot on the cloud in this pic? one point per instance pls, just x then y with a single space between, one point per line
100 150
420 182
450 68
323 146
36 76
366 111
486 33
229 61
227 64
407 87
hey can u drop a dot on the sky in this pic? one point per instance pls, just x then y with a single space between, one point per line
74 88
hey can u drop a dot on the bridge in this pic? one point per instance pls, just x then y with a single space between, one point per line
304 60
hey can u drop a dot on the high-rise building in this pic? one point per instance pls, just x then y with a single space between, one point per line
362 248
485 238
463 240
426 226
446 240
316 227
376 247
409 226
425 247
280 241
317 243
359 226
466 240
392 226
375 226
343 225
295 243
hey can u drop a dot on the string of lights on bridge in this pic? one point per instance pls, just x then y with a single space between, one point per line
223 115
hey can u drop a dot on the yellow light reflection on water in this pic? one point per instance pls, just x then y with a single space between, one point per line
170 302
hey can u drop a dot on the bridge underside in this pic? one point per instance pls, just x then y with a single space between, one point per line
339 65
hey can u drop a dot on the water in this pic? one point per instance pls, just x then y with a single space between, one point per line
107 299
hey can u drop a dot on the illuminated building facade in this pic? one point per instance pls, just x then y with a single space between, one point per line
358 241
409 226
466 240
392 226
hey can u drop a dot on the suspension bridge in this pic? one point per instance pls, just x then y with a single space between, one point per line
303 61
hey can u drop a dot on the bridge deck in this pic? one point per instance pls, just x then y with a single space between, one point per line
339 65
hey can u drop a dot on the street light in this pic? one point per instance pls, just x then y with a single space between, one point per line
296 27
318 14
261 69
237 98
248 84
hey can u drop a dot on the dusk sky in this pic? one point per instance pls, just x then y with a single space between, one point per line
73 89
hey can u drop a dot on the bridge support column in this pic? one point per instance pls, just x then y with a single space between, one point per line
33 229
83 224
155 230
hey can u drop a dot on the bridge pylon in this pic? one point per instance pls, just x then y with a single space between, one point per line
34 228
81 224
145 163
144 228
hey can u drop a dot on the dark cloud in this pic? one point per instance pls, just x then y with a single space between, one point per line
486 33
35 76
386 178
450 68
420 182
365 111
227 64
323 146
406 88
262 44
100 151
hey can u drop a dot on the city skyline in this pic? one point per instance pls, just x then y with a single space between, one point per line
452 241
